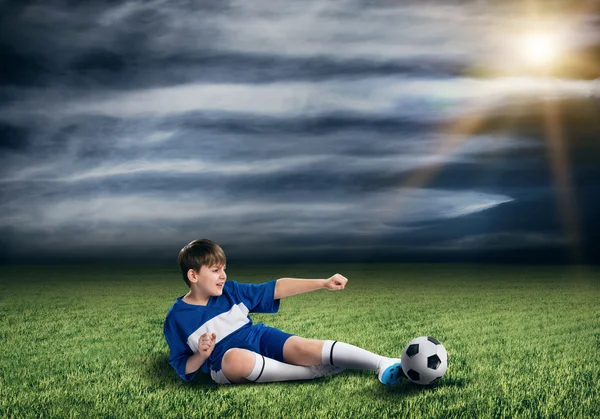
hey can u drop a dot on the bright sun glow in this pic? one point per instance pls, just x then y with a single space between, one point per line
539 49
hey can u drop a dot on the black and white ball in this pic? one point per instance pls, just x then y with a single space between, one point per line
424 360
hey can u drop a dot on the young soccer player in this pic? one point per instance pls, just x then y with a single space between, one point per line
209 329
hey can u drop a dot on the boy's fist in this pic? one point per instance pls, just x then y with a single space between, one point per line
336 282
206 343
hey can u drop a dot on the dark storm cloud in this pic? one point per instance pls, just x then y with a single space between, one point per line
103 68
75 142
21 69
120 36
316 125
305 153
49 43
321 169
132 45
111 45
310 131
12 137
127 72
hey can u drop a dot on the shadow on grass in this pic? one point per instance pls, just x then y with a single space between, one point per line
159 372
407 388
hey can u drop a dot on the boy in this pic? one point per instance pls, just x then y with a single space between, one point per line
209 329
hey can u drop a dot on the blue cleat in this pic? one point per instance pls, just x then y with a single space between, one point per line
390 372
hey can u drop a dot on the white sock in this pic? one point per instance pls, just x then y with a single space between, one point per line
345 355
267 370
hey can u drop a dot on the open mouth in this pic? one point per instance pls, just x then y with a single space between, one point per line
220 285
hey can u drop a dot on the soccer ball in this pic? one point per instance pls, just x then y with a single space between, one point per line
424 360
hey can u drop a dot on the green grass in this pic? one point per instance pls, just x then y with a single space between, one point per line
522 342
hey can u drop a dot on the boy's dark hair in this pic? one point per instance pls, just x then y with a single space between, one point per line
198 253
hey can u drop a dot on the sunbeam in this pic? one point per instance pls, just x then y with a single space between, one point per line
456 134
559 164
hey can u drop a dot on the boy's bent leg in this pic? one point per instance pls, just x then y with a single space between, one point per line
237 363
243 366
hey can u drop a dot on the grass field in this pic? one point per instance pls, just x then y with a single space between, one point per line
522 341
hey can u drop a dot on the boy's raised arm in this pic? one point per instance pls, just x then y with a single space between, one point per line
286 287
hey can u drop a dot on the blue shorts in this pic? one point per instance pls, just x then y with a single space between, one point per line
264 340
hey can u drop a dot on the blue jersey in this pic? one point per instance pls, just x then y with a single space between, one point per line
225 315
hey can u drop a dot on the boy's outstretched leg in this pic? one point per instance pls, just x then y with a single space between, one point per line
302 351
389 370
243 366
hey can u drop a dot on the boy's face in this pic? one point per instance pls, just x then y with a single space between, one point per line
211 279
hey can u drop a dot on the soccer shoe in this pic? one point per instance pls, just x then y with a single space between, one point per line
390 371
325 370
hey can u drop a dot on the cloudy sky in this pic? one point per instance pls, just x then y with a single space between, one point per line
300 130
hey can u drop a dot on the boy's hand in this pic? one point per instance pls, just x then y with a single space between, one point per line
336 282
206 343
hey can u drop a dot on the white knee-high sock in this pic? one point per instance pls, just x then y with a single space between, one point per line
267 370
345 355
